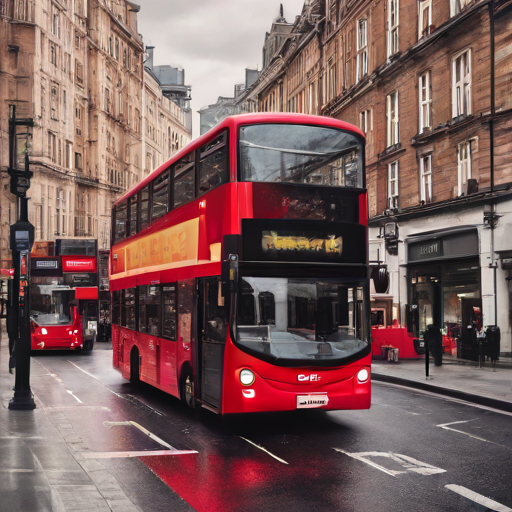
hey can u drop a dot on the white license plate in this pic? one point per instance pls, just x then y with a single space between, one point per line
422 343
312 401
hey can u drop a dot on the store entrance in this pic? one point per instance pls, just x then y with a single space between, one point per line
447 296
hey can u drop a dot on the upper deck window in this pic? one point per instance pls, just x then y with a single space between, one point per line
213 164
144 208
161 195
134 204
311 155
121 218
184 180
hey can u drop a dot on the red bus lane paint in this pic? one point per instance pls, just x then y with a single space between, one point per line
240 284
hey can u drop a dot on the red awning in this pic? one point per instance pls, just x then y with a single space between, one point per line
87 293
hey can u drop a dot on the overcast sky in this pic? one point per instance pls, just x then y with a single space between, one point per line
213 40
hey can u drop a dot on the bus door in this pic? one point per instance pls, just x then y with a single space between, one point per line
212 334
89 313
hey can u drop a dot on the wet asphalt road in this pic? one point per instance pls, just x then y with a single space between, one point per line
394 457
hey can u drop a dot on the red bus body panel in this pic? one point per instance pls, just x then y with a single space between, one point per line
151 257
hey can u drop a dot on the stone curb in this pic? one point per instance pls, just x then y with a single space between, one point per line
495 403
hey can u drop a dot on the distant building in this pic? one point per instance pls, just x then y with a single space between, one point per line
166 110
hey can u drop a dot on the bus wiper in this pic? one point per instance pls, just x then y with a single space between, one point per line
300 151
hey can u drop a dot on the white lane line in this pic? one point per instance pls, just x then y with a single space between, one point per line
478 498
264 449
125 455
371 463
124 397
445 426
436 396
141 428
74 396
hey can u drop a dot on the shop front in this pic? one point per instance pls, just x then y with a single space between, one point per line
444 285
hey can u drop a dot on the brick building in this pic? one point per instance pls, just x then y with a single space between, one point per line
430 83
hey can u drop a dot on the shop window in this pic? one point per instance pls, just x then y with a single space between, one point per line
169 311
149 310
213 166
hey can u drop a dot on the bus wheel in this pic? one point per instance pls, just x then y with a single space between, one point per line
134 367
187 389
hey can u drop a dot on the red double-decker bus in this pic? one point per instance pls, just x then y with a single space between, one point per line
64 294
239 269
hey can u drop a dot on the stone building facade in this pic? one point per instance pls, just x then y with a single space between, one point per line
77 68
429 82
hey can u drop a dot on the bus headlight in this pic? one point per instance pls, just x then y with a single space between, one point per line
247 377
363 375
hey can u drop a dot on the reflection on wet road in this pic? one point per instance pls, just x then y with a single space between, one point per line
410 452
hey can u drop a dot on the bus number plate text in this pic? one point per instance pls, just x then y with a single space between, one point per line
311 401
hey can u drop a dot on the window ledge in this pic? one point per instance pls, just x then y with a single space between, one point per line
391 151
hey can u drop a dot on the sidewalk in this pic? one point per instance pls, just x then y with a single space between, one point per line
463 381
42 463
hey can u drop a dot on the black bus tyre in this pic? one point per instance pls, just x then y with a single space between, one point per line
134 368
187 389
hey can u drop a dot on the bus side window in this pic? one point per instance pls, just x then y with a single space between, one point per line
215 316
169 311
120 222
144 208
160 195
184 180
149 302
116 307
128 309
132 211
213 164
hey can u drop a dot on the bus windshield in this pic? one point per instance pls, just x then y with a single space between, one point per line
51 303
302 154
304 320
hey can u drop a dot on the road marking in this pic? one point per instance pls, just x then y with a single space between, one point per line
478 498
408 463
436 396
142 429
264 449
124 397
125 455
445 426
74 396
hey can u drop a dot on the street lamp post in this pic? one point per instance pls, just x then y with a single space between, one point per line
21 241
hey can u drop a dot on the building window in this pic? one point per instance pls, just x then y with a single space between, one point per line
392 118
457 6
56 22
78 161
69 155
77 41
424 18
53 54
331 93
392 27
52 147
78 120
426 179
425 102
461 88
79 72
364 121
54 102
107 101
464 165
393 185
362 49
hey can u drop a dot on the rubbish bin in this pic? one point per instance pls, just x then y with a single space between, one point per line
435 341
493 337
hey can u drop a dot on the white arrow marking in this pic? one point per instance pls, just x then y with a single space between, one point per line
478 498
445 426
406 462
75 397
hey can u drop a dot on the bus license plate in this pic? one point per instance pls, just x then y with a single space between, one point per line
312 401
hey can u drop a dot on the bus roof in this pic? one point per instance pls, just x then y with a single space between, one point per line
234 122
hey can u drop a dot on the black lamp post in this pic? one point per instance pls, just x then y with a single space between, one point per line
21 241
